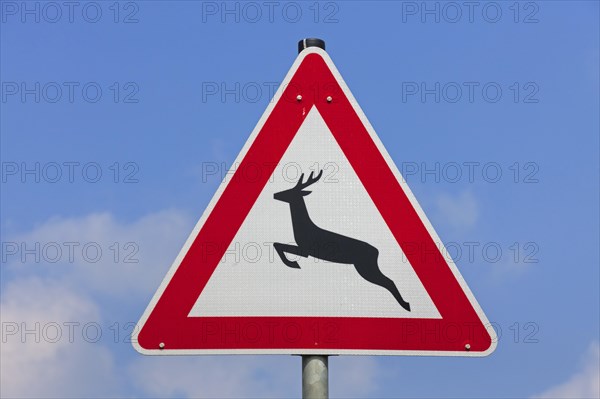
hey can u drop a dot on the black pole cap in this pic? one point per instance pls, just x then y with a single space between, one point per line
310 42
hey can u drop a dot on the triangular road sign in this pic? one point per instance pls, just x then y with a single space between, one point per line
353 268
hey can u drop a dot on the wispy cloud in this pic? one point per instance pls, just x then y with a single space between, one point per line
83 292
585 383
39 357
353 376
460 211
100 254
45 305
217 376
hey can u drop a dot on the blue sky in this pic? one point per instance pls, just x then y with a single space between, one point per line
491 112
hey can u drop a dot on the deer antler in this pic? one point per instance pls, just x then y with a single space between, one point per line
300 185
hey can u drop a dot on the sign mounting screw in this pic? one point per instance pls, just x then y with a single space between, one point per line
299 97
468 347
161 345
329 99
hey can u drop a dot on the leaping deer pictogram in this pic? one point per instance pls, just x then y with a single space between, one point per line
312 240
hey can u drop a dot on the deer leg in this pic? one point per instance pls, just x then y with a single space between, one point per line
371 273
282 249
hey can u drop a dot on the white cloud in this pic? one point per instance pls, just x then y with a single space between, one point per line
132 259
510 266
585 383
51 360
47 296
218 376
92 292
248 376
459 212
352 376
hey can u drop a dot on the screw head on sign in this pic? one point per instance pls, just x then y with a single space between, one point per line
299 97
329 99
468 347
161 345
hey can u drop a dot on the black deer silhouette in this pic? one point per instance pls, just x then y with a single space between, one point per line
313 241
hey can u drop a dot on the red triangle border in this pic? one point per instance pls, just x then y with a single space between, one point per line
166 328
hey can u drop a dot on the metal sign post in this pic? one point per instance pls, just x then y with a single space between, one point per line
315 368
315 377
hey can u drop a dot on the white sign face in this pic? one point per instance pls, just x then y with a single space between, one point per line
250 274
314 245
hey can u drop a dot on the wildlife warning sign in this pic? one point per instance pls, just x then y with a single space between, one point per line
314 244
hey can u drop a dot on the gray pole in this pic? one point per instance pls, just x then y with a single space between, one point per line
310 42
315 377
315 369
